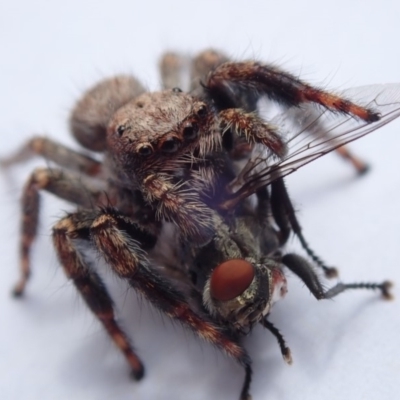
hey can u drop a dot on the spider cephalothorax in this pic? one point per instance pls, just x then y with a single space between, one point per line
172 147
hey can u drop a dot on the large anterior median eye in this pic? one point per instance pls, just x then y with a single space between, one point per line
170 145
230 279
190 131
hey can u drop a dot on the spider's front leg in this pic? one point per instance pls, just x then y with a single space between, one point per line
118 241
181 205
228 82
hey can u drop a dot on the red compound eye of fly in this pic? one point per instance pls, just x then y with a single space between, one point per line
230 279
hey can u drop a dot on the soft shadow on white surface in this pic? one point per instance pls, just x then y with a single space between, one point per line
50 345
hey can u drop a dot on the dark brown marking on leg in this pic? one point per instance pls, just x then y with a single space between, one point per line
336 103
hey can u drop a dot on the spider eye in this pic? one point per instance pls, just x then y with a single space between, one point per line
121 129
177 90
170 145
145 150
230 279
202 111
190 131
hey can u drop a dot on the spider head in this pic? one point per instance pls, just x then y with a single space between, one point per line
158 127
241 293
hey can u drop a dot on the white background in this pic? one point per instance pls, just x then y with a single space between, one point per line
50 345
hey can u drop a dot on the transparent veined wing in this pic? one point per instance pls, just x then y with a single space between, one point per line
311 133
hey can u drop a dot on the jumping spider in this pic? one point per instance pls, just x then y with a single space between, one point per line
174 157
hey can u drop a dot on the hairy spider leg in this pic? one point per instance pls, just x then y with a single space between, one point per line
56 152
80 270
63 184
230 79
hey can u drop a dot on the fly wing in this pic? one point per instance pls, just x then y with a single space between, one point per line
311 133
